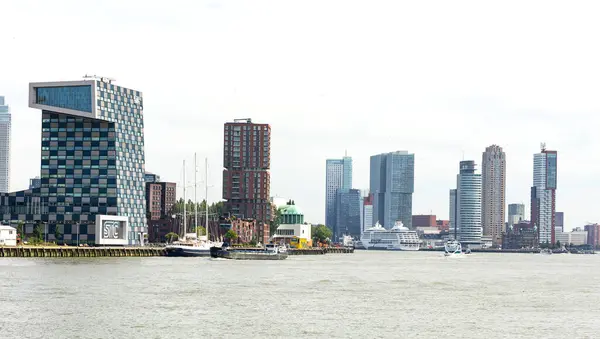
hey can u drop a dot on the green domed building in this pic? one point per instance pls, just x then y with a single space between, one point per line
292 230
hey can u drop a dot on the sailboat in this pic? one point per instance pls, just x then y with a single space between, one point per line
193 245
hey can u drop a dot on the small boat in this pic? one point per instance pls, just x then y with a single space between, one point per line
269 252
545 251
452 248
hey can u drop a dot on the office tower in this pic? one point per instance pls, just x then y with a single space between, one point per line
92 164
516 213
468 204
367 212
392 184
543 194
452 213
348 206
493 193
559 225
338 176
4 147
246 177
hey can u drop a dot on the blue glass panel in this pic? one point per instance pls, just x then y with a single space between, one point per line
71 97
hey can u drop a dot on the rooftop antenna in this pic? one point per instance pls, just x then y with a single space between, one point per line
346 152
543 146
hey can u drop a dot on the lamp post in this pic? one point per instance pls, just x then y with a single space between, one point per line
77 234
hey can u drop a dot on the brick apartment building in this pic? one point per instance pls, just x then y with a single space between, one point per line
246 177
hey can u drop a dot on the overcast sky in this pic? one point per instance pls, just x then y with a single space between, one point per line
437 78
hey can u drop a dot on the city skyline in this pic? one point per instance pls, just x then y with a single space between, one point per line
438 107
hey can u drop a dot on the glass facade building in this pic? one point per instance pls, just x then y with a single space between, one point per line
392 183
543 195
4 146
92 161
468 205
338 176
348 214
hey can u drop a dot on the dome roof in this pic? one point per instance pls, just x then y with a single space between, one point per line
290 210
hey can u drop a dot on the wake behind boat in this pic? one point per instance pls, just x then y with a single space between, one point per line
269 252
452 248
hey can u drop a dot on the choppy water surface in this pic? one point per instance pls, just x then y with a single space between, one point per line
362 295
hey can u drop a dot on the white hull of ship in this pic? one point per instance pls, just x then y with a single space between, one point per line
379 247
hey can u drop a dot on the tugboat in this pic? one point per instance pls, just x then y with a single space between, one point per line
269 252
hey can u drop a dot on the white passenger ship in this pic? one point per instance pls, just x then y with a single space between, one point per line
398 238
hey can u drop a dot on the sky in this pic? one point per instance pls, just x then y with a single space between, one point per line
440 79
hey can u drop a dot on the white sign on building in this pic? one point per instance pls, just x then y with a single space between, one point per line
111 230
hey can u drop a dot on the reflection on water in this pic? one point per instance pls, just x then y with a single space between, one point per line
362 295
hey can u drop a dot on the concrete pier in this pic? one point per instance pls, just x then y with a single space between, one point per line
66 252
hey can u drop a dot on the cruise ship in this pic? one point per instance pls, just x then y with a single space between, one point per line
398 238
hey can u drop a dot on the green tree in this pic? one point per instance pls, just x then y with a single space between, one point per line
275 222
321 233
171 236
38 233
57 233
231 235
558 244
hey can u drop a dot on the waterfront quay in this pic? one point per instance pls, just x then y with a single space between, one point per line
71 251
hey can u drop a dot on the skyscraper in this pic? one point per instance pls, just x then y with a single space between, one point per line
468 204
92 164
516 213
452 212
4 147
392 184
246 177
493 194
367 212
338 176
348 207
543 194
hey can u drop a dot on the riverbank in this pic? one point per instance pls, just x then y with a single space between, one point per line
70 251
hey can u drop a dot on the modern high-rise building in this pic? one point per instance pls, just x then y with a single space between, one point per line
246 177
493 193
543 194
452 213
392 183
516 213
468 204
367 212
4 147
338 176
348 207
92 164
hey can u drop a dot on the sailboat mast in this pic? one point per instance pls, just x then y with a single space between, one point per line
206 192
184 203
195 195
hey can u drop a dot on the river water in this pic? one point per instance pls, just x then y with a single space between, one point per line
360 295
